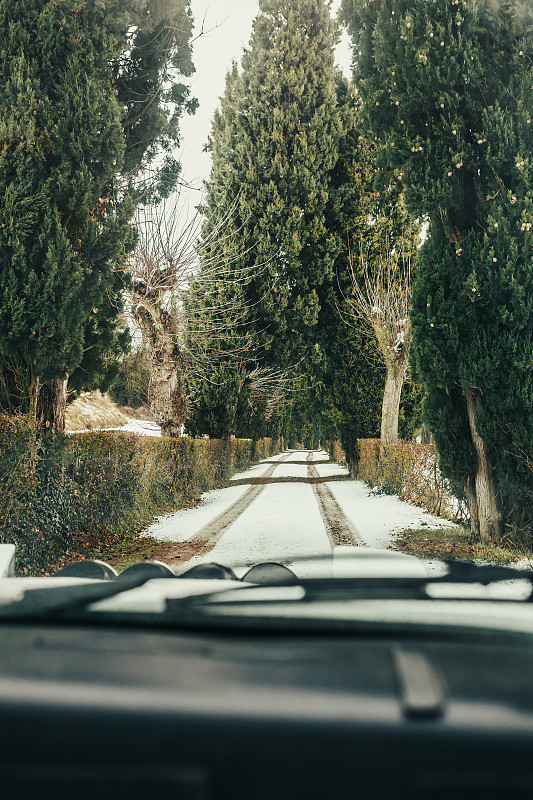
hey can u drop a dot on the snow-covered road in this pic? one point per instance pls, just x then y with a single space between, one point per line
290 506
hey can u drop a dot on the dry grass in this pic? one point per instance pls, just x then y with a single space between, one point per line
142 412
93 411
454 543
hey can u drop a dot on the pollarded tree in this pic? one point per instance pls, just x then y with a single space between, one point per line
150 60
384 304
448 95
150 57
184 313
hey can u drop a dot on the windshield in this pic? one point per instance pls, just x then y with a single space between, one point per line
273 306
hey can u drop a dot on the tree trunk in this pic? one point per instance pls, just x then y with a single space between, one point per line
426 436
396 372
51 404
353 468
471 501
486 517
166 396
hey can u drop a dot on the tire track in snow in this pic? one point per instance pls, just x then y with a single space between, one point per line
211 533
340 530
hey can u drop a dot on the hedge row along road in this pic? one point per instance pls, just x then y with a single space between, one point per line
290 506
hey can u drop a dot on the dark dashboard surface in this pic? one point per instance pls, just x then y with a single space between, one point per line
139 713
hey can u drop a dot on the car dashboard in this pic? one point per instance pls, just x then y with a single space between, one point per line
93 711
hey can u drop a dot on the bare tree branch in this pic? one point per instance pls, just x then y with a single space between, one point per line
384 303
188 301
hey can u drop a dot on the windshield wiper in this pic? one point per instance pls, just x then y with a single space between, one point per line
383 588
47 603
73 600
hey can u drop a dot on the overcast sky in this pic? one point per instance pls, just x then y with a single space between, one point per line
227 26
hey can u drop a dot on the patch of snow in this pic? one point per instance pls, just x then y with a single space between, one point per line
327 470
378 517
254 472
142 427
523 563
288 470
301 455
283 524
278 457
183 525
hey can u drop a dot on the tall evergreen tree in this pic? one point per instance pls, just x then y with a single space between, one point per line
284 121
61 229
275 141
65 145
448 96
150 68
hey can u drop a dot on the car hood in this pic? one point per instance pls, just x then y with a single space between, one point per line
496 606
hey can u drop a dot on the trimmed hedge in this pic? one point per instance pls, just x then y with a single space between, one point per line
407 469
99 485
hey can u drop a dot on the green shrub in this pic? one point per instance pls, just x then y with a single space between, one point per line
99 486
262 448
34 497
241 452
102 469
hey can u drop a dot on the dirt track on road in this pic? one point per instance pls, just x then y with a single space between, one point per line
212 532
338 527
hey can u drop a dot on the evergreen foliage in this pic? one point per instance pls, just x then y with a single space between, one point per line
130 386
151 64
448 95
62 229
84 92
285 142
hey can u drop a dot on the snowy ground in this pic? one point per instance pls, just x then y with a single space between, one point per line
254 472
327 469
141 427
378 517
183 525
282 524
284 521
289 470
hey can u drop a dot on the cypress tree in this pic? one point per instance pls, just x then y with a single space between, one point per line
448 97
62 229
150 68
66 144
347 387
277 144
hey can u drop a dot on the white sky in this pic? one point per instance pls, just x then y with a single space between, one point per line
228 26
